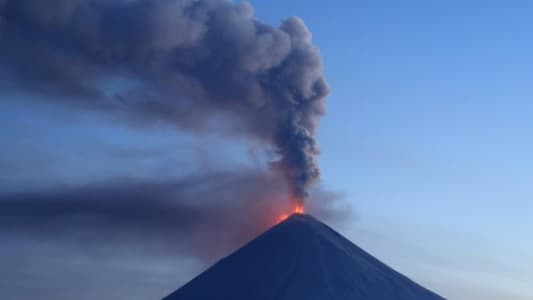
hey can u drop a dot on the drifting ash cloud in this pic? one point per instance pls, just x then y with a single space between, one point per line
197 65
204 217
207 66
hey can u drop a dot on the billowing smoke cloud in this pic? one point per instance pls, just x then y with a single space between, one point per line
198 65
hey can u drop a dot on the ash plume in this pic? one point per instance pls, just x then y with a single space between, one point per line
103 240
198 65
179 216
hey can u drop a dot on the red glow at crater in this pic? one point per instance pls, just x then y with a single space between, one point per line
297 209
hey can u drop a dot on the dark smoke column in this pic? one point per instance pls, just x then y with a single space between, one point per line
304 90
185 62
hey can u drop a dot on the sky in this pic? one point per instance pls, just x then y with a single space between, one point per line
425 141
427 134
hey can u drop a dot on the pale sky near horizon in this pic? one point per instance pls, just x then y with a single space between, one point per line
427 136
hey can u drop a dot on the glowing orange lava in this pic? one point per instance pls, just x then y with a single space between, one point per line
298 209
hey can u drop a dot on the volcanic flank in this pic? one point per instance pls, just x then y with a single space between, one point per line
301 258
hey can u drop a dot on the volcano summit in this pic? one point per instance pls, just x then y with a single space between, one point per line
301 258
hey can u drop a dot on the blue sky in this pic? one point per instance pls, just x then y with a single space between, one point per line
427 135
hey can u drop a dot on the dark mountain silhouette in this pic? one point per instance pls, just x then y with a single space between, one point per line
301 258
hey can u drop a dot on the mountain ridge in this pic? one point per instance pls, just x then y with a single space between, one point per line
301 258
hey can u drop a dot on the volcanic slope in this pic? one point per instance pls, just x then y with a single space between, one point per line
301 259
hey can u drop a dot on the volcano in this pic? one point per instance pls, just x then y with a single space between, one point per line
301 259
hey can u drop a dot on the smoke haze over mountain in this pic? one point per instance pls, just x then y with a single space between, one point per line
73 71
